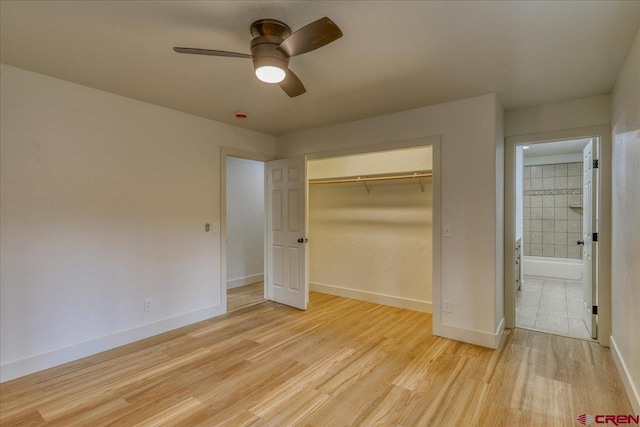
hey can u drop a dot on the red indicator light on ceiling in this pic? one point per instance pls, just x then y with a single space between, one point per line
241 115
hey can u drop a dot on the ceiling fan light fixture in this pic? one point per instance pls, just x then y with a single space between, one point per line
272 46
269 63
270 74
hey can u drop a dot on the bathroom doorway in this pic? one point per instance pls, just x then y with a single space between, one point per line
556 188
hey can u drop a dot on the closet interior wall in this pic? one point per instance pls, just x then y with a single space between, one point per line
373 241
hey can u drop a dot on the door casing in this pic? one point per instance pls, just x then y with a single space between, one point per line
589 226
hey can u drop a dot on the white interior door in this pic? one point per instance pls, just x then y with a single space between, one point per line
287 272
589 204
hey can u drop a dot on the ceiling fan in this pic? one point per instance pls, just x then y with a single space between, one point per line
273 44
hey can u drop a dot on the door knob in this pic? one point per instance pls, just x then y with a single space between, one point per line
302 240
580 242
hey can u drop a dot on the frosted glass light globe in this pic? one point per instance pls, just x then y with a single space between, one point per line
270 74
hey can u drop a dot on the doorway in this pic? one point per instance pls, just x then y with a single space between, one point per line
554 223
245 232
242 228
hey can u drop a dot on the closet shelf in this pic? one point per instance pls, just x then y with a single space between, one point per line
371 178
366 179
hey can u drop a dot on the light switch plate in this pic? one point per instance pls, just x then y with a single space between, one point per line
447 231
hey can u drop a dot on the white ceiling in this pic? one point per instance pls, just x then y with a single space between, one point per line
394 55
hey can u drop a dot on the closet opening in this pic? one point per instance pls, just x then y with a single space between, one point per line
371 227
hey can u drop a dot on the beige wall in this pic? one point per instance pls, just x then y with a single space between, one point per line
573 114
373 246
469 202
103 204
625 337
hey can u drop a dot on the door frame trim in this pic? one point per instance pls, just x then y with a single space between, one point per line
594 246
248 155
603 133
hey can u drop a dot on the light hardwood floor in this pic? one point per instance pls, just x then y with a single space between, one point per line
342 362
245 296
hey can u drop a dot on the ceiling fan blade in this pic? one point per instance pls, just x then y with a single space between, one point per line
311 37
291 85
210 52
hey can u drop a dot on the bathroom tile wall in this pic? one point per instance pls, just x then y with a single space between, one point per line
552 210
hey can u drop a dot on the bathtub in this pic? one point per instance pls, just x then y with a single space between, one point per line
557 268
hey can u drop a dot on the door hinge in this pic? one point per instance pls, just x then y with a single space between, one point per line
596 163
595 237
594 309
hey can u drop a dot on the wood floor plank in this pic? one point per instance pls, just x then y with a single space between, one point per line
282 396
245 296
360 399
22 418
174 415
259 383
358 367
70 401
294 412
101 413
341 362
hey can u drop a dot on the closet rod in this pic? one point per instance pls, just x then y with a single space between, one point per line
367 179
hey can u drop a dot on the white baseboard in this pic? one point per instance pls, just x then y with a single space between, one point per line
627 380
40 362
243 281
400 302
484 339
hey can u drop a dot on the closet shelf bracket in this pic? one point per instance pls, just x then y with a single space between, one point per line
419 182
365 185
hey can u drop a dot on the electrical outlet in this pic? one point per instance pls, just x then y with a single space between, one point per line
446 305
146 305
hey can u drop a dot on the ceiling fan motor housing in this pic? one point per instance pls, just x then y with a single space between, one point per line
264 50
268 34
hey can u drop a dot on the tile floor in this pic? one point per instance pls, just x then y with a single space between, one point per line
550 305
